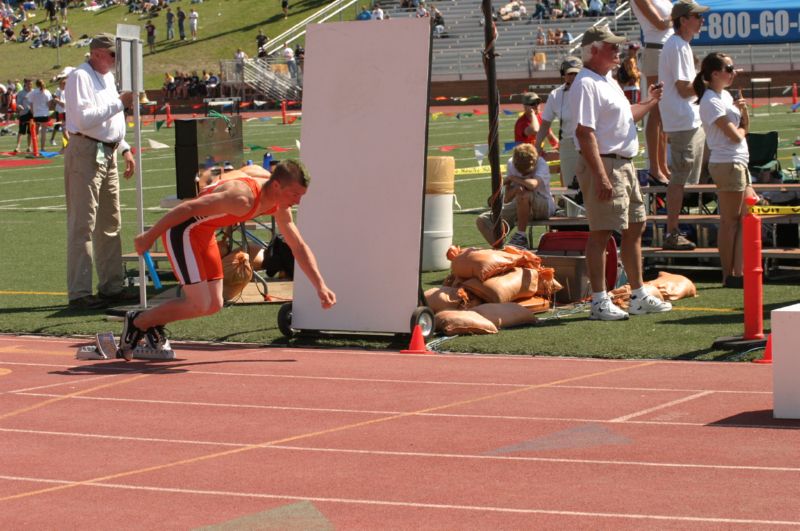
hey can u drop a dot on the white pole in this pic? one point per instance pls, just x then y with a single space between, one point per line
136 56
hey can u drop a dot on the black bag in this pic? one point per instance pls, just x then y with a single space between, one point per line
279 258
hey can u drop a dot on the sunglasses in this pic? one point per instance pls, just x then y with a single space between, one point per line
113 54
730 69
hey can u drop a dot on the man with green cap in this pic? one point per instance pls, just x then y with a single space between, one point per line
605 133
95 121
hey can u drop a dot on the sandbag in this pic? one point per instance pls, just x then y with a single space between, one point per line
256 254
534 304
455 322
448 298
674 287
238 272
622 295
486 263
548 284
518 283
506 314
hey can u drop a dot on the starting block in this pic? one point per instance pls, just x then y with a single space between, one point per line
105 348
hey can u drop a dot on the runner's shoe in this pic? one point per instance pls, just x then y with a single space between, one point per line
606 310
156 337
519 240
130 335
648 304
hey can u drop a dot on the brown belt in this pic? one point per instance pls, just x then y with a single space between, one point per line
614 156
110 145
654 45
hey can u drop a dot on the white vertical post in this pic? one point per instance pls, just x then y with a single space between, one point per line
136 85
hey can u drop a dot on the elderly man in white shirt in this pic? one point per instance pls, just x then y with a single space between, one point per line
605 132
95 121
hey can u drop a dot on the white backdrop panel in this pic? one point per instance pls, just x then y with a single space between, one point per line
363 140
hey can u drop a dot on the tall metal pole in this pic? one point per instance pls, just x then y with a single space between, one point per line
490 35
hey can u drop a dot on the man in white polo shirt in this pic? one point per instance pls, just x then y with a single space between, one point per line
605 132
96 124
680 117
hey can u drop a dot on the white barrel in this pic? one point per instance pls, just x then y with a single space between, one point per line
437 234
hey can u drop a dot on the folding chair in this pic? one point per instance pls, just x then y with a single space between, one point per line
763 149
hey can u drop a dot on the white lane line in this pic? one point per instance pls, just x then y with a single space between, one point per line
62 195
59 384
431 455
378 412
414 505
662 406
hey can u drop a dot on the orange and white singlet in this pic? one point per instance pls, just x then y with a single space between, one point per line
192 245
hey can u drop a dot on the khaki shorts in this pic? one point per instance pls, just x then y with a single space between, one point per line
649 66
686 155
626 206
729 176
539 210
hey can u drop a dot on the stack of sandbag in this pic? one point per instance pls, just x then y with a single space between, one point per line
667 287
484 288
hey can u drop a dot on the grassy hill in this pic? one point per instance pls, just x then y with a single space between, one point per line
223 26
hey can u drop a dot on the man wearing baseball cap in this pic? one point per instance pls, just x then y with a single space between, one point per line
680 117
526 127
605 132
95 121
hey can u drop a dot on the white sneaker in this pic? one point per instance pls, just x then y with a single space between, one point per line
648 304
606 310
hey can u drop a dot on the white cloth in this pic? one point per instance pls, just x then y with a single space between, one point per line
597 102
676 63
60 94
39 101
713 106
558 107
93 106
542 174
651 33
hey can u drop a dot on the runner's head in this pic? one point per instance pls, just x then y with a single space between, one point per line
289 181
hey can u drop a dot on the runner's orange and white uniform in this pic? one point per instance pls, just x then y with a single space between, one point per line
192 245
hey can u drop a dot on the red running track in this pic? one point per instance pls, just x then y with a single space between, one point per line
231 437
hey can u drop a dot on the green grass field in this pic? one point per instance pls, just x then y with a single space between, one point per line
32 262
223 26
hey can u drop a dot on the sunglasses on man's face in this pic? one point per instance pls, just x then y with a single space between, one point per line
730 69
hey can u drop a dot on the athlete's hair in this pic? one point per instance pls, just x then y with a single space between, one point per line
289 171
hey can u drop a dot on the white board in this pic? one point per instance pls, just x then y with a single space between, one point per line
363 140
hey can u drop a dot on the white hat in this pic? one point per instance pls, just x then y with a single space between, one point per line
64 73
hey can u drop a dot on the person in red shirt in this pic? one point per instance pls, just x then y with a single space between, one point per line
527 125
188 232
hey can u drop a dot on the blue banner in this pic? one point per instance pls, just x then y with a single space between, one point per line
749 22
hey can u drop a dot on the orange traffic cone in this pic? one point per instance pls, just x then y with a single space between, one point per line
34 138
417 345
767 352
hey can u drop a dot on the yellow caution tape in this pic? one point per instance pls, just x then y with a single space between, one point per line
775 209
479 170
11 292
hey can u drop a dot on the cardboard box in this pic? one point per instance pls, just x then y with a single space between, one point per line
571 273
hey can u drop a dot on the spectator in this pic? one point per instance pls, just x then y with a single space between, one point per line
181 24
96 123
39 99
285 8
59 97
421 11
596 8
654 19
240 58
170 18
539 11
50 8
364 14
261 44
62 7
193 16
24 34
24 114
169 86
377 12
557 107
299 56
150 29
726 123
680 119
605 132
566 37
629 76
288 56
527 126
540 37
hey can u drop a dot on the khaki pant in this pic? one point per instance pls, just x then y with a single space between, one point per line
569 160
540 209
93 219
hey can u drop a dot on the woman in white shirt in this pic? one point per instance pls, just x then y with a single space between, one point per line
39 99
726 123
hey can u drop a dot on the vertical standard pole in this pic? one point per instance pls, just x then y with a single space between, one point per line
490 36
136 56
753 290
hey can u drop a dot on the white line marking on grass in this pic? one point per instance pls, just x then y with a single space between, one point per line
662 406
413 505
62 195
